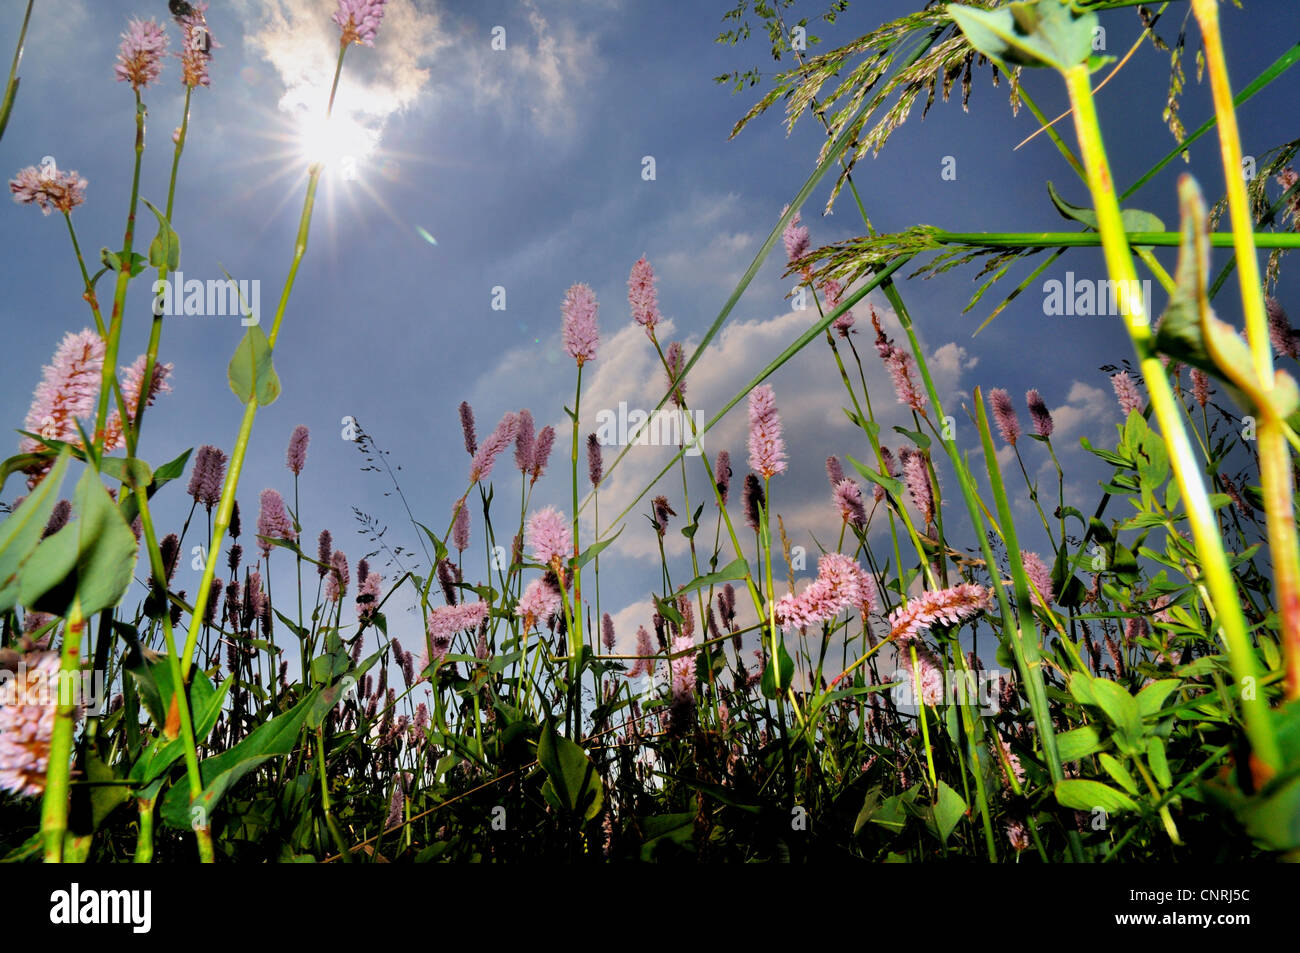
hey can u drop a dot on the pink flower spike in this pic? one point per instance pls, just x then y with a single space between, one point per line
1039 413
538 604
1004 413
273 521
549 536
486 456
947 606
580 332
197 45
1127 393
1040 576
795 237
642 297
296 455
139 59
460 528
766 447
67 391
359 20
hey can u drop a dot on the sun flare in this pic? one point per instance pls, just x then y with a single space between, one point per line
340 143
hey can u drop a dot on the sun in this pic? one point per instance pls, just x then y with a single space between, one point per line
339 143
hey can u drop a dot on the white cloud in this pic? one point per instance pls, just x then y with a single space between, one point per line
541 69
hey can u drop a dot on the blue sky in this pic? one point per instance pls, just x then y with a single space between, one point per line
525 166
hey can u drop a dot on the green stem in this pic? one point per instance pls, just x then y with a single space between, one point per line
240 449
1274 456
1200 515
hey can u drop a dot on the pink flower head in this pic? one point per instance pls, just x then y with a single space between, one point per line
766 448
832 291
524 439
197 43
683 669
722 474
481 466
139 59
595 460
460 528
899 364
795 237
890 469
273 521
549 536
676 360
359 20
541 452
930 671
1004 413
336 582
67 391
1285 339
948 606
1039 575
1200 386
467 426
208 476
1039 413
132 382
580 332
368 596
1127 393
917 477
446 621
296 455
642 297
27 723
538 603
607 632
840 585
848 497
644 664
48 188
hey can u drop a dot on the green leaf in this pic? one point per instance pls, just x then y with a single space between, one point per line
1134 220
1118 772
275 738
21 533
251 371
1038 33
891 486
1085 795
1152 697
165 249
206 703
171 470
948 810
91 558
572 783
134 472
105 796
594 550
921 440
1122 710
1158 762
1079 743
736 569
785 665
